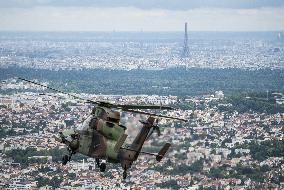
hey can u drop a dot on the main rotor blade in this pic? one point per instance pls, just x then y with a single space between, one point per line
130 107
156 115
56 90
127 107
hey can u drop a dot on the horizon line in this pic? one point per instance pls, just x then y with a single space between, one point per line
137 31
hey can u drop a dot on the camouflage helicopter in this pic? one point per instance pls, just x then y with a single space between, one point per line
101 136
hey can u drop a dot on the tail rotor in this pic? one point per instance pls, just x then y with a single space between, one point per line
154 128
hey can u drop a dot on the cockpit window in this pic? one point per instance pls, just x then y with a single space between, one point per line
99 112
85 124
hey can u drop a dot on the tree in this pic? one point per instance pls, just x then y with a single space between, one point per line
216 173
172 184
56 181
42 181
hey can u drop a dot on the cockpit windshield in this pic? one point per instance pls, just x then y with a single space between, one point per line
86 123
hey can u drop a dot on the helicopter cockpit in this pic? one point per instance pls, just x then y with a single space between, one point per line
85 125
106 114
100 113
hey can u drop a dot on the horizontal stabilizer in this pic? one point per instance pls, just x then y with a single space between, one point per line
163 151
120 142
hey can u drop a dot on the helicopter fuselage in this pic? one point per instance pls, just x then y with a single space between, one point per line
97 136
99 140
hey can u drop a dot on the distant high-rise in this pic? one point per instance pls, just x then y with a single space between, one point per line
280 36
185 52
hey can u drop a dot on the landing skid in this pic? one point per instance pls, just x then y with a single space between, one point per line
101 165
67 158
124 175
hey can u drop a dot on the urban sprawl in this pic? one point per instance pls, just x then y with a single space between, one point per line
214 150
218 148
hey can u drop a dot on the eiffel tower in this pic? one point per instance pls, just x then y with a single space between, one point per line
185 52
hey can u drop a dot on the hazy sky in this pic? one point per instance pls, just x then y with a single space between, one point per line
137 15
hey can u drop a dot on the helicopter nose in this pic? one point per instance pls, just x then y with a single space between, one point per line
61 137
65 136
57 138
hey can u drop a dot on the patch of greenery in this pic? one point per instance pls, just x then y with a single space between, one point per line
178 81
9 132
54 182
243 103
21 155
256 173
172 184
180 169
262 151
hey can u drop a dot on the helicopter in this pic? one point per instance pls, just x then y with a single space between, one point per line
101 136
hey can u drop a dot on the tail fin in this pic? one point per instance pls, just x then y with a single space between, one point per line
163 151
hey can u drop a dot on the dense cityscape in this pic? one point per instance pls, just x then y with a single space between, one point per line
150 51
233 138
217 148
